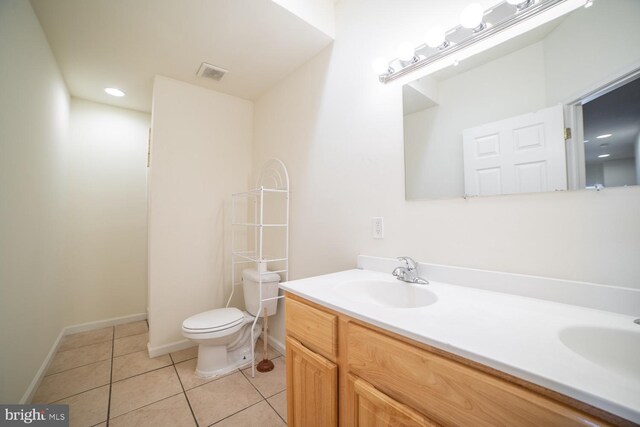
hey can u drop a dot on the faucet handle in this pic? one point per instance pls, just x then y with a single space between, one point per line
409 262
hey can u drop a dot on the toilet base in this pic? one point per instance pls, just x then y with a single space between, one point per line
216 360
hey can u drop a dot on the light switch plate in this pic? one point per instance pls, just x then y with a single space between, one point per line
378 227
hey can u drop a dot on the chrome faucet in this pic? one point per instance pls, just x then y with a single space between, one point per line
408 272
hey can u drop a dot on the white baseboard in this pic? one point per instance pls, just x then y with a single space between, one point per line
277 345
99 324
37 379
68 330
169 348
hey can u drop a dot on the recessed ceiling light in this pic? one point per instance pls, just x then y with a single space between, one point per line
606 135
602 156
113 91
585 141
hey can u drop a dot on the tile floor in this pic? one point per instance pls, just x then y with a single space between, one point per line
107 379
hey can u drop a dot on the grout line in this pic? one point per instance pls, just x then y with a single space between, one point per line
142 373
237 412
79 366
72 395
82 346
113 341
76 367
148 404
274 409
193 414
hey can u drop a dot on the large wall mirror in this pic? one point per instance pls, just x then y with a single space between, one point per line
495 123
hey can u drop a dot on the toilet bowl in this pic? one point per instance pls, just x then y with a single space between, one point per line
223 335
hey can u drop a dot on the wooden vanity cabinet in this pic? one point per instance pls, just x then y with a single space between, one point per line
347 372
312 384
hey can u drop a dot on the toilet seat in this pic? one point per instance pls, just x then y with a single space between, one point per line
213 321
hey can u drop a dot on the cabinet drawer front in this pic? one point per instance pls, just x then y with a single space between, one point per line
314 328
448 392
371 408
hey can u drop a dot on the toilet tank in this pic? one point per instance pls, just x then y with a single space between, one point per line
251 290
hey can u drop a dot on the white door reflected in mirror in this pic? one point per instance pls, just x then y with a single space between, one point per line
522 154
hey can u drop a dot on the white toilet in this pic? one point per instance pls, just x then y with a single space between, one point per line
223 335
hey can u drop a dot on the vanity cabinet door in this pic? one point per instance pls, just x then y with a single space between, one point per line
312 387
372 408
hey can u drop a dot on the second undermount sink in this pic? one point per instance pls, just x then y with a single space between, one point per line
389 294
616 350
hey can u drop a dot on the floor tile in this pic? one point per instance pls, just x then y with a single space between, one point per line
86 338
187 372
64 384
221 398
271 352
269 383
279 403
137 363
186 354
68 359
259 415
141 390
133 328
88 408
130 344
170 412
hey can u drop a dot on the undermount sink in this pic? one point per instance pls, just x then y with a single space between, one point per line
614 349
386 293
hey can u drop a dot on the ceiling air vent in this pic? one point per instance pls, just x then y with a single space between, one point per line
212 72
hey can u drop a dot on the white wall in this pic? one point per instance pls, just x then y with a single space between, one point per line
339 132
619 172
34 108
319 13
590 47
201 153
106 212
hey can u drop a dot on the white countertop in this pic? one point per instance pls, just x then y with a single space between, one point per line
514 334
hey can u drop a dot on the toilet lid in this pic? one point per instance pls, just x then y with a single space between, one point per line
213 320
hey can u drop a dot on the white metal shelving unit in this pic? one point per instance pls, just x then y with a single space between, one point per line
273 180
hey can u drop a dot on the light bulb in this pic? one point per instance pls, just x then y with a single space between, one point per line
114 91
471 16
521 4
405 52
380 65
436 37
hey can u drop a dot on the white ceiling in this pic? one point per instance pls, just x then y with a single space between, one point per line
125 43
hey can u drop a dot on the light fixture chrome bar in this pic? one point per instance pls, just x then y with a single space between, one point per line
498 19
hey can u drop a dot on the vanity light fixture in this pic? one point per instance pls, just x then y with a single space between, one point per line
521 4
472 17
381 66
114 91
406 52
437 38
606 135
476 26
602 156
